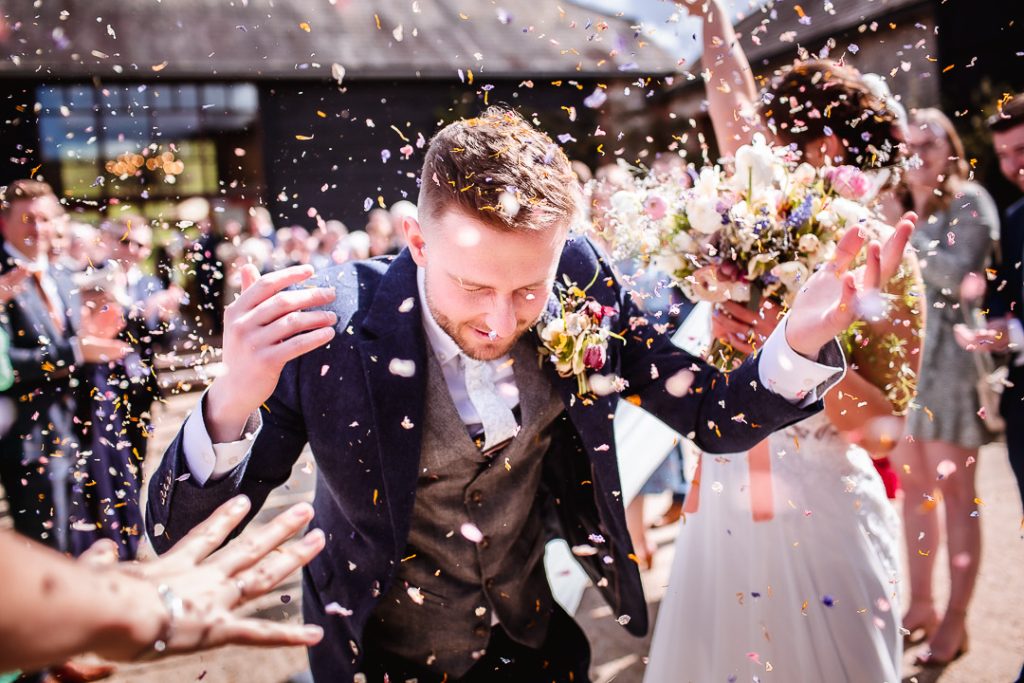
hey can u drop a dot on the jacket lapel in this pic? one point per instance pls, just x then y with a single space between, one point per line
394 356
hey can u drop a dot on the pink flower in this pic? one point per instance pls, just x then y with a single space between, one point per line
655 207
594 357
850 182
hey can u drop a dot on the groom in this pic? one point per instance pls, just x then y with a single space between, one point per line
443 445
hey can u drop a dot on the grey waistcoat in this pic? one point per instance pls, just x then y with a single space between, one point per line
449 589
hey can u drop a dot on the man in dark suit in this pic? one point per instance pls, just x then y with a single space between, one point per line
1005 298
39 449
129 240
444 438
1006 294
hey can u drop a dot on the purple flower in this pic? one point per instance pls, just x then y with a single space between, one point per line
802 213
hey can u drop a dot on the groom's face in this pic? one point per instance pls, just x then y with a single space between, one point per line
485 286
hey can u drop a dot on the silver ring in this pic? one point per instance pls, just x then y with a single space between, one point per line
240 585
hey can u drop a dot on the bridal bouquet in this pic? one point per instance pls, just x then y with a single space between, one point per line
755 233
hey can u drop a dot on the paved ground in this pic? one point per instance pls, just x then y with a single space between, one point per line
996 619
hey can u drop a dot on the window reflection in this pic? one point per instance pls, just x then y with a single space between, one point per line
150 143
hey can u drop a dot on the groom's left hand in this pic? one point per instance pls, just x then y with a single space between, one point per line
833 297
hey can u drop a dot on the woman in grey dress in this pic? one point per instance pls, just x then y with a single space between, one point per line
954 239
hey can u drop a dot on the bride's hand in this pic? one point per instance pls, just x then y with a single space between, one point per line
741 328
835 296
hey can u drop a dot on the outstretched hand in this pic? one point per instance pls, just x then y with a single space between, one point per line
836 295
266 326
211 583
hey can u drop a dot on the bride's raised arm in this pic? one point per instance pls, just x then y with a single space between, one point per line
731 89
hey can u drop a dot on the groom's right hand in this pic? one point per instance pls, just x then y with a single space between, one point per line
264 328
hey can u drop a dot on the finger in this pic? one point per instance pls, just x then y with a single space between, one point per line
261 632
843 312
102 553
250 274
294 347
739 312
892 253
727 325
283 303
199 543
255 542
270 284
292 324
269 572
872 267
847 249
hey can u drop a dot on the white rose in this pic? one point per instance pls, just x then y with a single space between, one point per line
740 214
757 265
553 327
756 164
809 244
576 323
849 212
668 263
707 183
703 215
805 174
625 202
682 243
792 274
827 218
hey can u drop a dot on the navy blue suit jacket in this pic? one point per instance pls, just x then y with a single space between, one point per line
346 403
1005 293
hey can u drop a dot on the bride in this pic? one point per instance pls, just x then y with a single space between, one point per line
810 591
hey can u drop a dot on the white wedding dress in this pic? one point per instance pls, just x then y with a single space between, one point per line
811 595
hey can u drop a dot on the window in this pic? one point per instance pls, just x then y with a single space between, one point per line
150 145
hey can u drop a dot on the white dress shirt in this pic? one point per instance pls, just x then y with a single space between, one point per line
781 370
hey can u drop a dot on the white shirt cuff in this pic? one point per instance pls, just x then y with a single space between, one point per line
782 370
207 460
1016 331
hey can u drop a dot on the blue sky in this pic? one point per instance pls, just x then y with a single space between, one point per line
666 22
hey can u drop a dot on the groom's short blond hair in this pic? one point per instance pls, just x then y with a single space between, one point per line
501 170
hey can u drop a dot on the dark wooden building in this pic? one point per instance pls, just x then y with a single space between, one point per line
307 106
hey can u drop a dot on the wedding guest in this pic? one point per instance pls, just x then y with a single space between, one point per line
41 322
798 541
959 223
356 246
107 472
328 240
150 314
84 248
1005 303
204 258
56 608
399 211
381 233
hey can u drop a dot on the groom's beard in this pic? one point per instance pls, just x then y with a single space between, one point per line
470 342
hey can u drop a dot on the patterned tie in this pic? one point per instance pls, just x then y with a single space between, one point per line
499 422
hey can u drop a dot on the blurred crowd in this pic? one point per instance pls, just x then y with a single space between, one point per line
90 311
